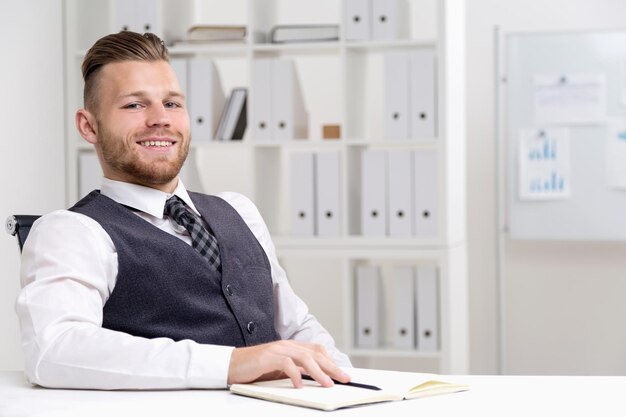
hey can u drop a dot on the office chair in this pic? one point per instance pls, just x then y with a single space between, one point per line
19 225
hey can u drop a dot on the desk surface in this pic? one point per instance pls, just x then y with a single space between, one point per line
488 396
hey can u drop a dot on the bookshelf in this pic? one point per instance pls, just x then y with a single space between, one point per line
341 82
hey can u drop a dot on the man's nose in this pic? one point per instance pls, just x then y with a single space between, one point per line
158 116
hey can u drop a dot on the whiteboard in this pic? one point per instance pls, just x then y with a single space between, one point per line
593 210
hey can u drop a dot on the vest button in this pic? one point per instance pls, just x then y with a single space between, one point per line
251 326
229 290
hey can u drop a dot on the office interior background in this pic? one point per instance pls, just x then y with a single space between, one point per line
552 307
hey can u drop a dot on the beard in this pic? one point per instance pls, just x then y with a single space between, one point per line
121 155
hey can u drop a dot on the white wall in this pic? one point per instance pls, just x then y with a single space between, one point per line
31 114
564 303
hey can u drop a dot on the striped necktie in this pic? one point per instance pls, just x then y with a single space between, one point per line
201 240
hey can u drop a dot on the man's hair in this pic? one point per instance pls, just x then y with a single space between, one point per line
122 46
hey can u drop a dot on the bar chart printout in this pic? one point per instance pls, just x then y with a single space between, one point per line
544 164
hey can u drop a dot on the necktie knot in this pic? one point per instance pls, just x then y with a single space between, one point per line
174 207
201 240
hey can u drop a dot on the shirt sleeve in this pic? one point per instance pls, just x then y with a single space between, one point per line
292 318
69 267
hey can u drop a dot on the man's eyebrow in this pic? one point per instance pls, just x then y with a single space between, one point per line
171 93
174 93
131 94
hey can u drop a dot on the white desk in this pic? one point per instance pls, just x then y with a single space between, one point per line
488 396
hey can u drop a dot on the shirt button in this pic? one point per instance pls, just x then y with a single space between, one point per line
229 290
251 326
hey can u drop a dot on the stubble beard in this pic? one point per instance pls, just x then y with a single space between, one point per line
121 157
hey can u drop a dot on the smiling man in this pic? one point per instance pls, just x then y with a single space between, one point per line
143 284
138 124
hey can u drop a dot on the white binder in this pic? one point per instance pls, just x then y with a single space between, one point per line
206 99
357 20
389 19
427 303
125 16
302 181
374 193
367 300
425 193
328 193
89 173
289 118
261 99
179 65
147 17
403 307
423 118
396 96
400 189
136 16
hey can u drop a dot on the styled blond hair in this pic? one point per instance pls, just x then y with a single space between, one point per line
117 47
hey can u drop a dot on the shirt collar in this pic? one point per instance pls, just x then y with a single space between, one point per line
142 198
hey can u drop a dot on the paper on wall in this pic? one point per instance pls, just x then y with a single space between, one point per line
570 99
544 164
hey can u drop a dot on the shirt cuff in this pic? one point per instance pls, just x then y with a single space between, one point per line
208 366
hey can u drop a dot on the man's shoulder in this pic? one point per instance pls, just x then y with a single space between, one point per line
236 200
61 227
63 218
244 207
91 199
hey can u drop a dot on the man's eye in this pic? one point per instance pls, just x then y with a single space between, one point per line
172 105
132 106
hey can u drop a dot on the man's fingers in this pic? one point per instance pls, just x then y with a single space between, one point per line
315 362
327 365
282 358
292 371
313 369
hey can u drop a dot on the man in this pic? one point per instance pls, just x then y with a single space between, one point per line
143 285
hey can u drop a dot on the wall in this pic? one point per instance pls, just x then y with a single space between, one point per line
564 305
31 114
563 302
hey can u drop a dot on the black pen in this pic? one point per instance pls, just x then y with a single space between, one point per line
350 384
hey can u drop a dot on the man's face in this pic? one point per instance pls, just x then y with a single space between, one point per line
142 125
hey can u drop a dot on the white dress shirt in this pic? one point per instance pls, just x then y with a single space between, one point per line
69 269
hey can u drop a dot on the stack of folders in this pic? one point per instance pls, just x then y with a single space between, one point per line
304 33
315 193
201 83
376 20
216 33
278 111
233 122
414 311
399 193
409 95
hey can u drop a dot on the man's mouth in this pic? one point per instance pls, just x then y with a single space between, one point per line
156 143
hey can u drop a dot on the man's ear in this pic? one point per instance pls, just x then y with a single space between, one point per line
86 125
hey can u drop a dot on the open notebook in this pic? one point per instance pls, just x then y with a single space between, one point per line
394 386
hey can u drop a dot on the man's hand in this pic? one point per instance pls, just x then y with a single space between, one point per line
284 358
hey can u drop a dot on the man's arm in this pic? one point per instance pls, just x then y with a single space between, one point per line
307 344
69 267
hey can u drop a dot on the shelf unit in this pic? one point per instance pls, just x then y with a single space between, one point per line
342 84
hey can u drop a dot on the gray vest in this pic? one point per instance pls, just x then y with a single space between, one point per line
165 288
